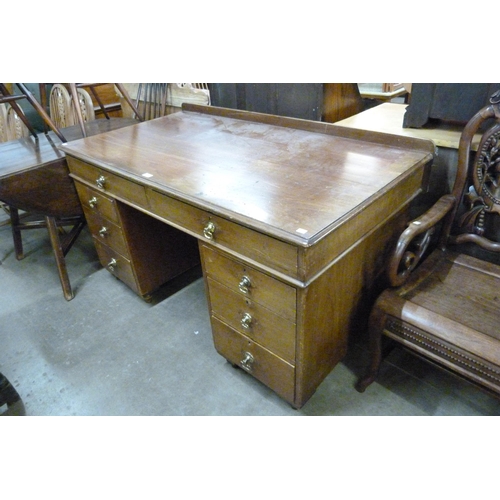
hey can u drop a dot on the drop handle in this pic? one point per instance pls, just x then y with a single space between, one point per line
247 362
246 321
112 264
209 231
93 202
245 284
101 181
103 231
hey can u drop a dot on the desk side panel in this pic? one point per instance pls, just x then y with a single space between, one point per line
336 305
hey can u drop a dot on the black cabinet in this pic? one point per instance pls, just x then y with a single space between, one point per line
450 102
296 100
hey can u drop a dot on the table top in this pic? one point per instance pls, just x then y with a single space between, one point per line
293 179
388 118
27 153
370 93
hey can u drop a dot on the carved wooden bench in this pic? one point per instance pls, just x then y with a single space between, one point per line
445 304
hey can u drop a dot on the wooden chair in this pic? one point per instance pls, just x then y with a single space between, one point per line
62 108
92 86
155 100
444 305
152 99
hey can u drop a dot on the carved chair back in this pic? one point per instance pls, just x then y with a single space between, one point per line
469 213
477 185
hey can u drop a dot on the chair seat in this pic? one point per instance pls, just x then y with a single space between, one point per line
450 312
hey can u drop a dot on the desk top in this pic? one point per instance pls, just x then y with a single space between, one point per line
294 179
388 118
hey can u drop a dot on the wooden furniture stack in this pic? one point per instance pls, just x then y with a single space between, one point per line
293 220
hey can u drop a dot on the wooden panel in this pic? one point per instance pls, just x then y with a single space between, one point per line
109 98
264 289
268 368
263 326
336 305
158 251
341 100
297 100
451 102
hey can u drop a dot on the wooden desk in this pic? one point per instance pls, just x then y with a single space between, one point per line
293 220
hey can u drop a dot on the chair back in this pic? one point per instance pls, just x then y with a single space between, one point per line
62 107
11 126
477 185
152 99
155 100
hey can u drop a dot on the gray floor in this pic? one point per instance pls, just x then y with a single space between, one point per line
107 352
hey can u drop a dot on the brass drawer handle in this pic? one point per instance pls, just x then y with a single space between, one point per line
245 284
247 362
112 264
209 231
246 321
103 231
101 181
93 202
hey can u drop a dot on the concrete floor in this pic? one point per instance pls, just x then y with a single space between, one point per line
107 352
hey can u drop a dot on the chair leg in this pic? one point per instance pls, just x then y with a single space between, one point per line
59 256
375 329
16 233
68 239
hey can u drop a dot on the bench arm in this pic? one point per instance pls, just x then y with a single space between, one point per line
404 260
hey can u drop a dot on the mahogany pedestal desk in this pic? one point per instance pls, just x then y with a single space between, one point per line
292 218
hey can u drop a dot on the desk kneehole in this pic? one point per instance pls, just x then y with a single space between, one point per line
235 237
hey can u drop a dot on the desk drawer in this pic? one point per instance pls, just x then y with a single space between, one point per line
253 320
207 226
249 282
96 202
240 350
107 182
116 264
107 232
